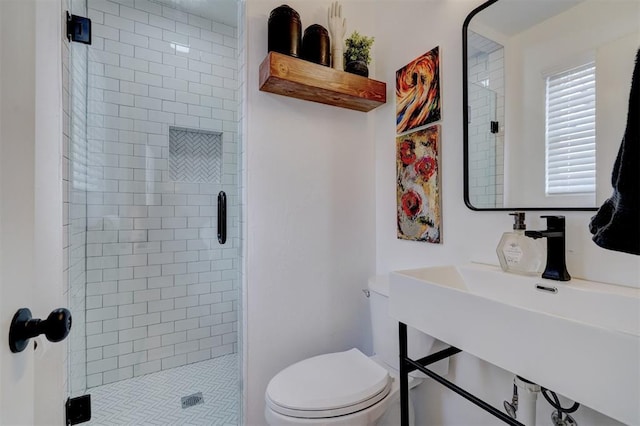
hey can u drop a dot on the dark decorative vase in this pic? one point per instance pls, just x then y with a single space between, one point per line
285 31
315 45
357 67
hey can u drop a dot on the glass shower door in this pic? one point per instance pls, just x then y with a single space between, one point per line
152 140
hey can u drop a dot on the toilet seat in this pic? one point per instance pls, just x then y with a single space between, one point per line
328 385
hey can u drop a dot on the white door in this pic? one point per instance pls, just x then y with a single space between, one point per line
31 201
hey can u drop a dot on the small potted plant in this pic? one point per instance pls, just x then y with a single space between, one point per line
357 55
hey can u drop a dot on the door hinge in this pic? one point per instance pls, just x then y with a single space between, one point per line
78 410
78 28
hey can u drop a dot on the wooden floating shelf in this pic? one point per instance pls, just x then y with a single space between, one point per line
297 78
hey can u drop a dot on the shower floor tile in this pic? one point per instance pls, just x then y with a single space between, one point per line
155 399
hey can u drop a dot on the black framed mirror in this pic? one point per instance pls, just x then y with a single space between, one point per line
545 91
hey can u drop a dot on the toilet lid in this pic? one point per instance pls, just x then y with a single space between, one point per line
328 385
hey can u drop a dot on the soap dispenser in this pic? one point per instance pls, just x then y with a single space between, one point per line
518 253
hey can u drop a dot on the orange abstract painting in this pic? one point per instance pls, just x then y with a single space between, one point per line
418 185
418 92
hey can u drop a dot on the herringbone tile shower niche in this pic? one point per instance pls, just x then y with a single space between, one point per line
195 156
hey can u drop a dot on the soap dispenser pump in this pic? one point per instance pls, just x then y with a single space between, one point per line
518 253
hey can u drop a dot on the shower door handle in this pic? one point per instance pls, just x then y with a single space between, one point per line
222 217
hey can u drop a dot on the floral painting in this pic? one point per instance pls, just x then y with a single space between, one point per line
418 185
418 92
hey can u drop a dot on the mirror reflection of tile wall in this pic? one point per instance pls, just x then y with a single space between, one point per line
486 103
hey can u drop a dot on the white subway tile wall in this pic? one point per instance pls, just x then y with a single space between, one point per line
161 291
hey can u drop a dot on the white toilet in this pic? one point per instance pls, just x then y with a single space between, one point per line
348 388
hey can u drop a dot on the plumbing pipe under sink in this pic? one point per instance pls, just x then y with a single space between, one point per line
527 398
524 401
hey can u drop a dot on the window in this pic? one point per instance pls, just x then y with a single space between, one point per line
571 131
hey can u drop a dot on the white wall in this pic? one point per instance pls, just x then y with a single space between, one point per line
310 216
321 182
17 180
48 224
467 235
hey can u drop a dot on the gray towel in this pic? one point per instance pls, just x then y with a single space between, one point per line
616 225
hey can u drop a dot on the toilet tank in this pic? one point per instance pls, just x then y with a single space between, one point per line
385 331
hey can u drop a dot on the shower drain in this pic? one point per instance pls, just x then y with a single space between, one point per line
191 400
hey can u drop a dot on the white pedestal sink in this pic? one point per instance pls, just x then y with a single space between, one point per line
578 338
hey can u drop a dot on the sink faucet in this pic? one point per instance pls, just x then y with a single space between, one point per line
556 268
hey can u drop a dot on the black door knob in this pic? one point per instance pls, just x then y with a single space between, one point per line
23 327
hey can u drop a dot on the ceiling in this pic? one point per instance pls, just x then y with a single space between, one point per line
223 11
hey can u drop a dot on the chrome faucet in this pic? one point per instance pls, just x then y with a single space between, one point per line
556 268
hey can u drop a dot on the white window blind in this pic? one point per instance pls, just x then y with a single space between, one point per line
571 131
